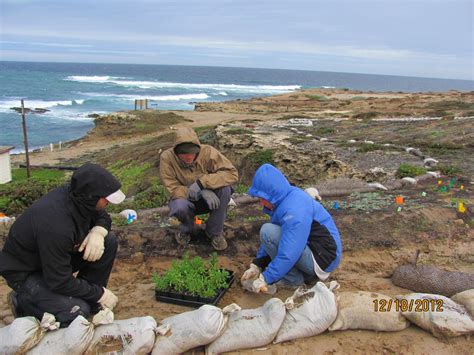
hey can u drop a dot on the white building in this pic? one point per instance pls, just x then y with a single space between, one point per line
5 167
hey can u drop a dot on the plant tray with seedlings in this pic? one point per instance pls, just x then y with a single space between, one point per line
193 282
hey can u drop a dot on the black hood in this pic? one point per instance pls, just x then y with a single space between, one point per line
88 184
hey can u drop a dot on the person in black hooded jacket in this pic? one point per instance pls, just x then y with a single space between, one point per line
65 231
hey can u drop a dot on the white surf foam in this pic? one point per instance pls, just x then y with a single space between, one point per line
197 96
6 105
92 78
158 84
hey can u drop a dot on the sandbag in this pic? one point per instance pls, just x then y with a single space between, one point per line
309 312
430 279
24 333
189 330
127 337
73 340
450 320
356 310
250 328
465 298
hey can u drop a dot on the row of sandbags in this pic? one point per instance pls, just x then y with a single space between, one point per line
102 335
306 313
440 315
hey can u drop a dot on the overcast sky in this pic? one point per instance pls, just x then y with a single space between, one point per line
431 38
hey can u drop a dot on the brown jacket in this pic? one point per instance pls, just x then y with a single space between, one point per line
211 168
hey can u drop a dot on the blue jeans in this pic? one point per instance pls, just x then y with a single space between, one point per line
270 235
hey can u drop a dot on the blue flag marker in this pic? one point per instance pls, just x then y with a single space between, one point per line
131 218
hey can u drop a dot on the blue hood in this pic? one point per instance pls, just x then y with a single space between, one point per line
270 184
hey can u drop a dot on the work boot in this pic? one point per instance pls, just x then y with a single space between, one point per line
218 242
12 299
182 239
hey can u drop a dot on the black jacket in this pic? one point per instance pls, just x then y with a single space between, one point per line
47 234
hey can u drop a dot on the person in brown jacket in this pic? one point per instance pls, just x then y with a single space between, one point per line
198 178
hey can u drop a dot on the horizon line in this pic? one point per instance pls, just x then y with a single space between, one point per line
224 66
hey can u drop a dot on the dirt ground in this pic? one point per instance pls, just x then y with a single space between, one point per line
375 237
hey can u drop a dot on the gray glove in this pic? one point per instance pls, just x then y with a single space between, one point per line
194 191
211 199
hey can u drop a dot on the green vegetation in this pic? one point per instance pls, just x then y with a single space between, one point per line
19 175
206 134
193 277
451 105
260 157
325 130
135 123
132 175
317 97
241 188
21 192
407 170
366 147
449 170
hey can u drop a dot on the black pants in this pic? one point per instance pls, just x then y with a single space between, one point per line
35 298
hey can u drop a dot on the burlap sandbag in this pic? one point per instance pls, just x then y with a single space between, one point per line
430 279
309 312
362 310
250 328
466 298
442 318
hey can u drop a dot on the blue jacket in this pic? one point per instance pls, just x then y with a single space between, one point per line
303 222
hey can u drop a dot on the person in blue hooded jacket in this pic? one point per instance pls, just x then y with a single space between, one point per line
300 244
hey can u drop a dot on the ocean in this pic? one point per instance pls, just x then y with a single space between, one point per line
73 91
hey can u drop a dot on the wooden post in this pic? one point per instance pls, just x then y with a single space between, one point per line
135 104
25 138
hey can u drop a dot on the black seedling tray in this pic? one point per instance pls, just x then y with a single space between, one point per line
193 301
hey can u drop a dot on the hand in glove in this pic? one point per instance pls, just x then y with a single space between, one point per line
260 285
94 244
251 273
108 299
211 199
194 191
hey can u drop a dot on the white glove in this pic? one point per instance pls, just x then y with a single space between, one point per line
94 244
251 273
260 285
108 299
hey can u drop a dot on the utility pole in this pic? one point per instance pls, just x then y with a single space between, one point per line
25 139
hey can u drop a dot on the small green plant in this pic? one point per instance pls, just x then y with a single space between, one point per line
193 277
449 170
325 130
261 157
316 97
241 188
407 170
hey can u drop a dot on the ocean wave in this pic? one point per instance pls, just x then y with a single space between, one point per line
6 105
197 96
92 78
159 85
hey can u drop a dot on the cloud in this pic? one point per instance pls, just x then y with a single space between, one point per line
48 44
283 46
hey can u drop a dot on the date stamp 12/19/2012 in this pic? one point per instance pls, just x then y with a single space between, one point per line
413 305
